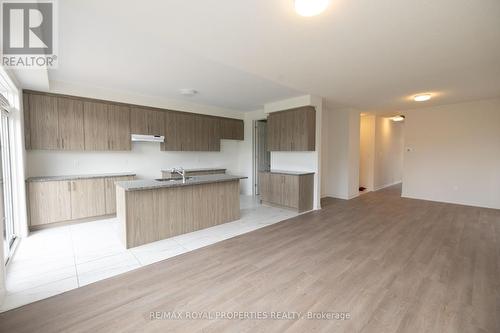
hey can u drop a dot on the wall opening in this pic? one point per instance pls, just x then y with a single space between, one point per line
381 152
262 157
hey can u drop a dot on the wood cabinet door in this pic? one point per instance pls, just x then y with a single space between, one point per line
303 124
276 188
110 192
306 193
172 132
43 122
232 129
225 128
138 120
95 123
119 127
298 133
70 113
26 114
186 127
264 186
310 121
200 133
273 132
87 198
286 130
292 130
146 121
49 202
155 122
239 130
290 191
214 134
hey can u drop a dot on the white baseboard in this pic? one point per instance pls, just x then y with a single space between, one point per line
2 295
452 202
387 185
343 197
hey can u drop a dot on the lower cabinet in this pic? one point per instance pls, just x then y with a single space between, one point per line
51 201
110 192
87 198
294 190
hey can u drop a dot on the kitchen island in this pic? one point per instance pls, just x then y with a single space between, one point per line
152 210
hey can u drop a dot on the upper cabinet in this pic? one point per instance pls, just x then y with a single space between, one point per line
191 132
147 121
44 122
232 129
71 132
292 130
96 126
106 126
53 123
119 127
59 122
172 132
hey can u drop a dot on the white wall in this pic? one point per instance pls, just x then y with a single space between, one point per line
145 159
367 152
132 98
340 153
455 153
301 161
389 147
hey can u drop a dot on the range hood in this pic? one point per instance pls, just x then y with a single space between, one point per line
147 138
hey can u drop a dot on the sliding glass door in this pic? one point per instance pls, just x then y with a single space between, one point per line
6 206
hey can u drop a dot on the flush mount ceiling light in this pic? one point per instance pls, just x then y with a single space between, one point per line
398 118
311 7
422 97
188 92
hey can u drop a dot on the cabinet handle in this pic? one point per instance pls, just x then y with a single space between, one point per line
74 185
62 142
69 186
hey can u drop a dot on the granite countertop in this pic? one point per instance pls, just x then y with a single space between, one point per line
75 177
293 173
197 169
149 184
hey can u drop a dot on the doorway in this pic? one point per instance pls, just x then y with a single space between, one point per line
381 151
262 160
366 153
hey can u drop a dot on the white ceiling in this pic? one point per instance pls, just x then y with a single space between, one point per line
241 54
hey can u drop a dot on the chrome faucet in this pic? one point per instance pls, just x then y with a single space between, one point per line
181 172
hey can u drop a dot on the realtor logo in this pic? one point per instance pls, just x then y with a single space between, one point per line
28 32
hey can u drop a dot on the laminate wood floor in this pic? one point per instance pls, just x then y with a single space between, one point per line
393 264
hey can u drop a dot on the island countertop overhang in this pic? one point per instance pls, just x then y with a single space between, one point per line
150 184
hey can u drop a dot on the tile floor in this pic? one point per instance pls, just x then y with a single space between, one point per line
55 260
